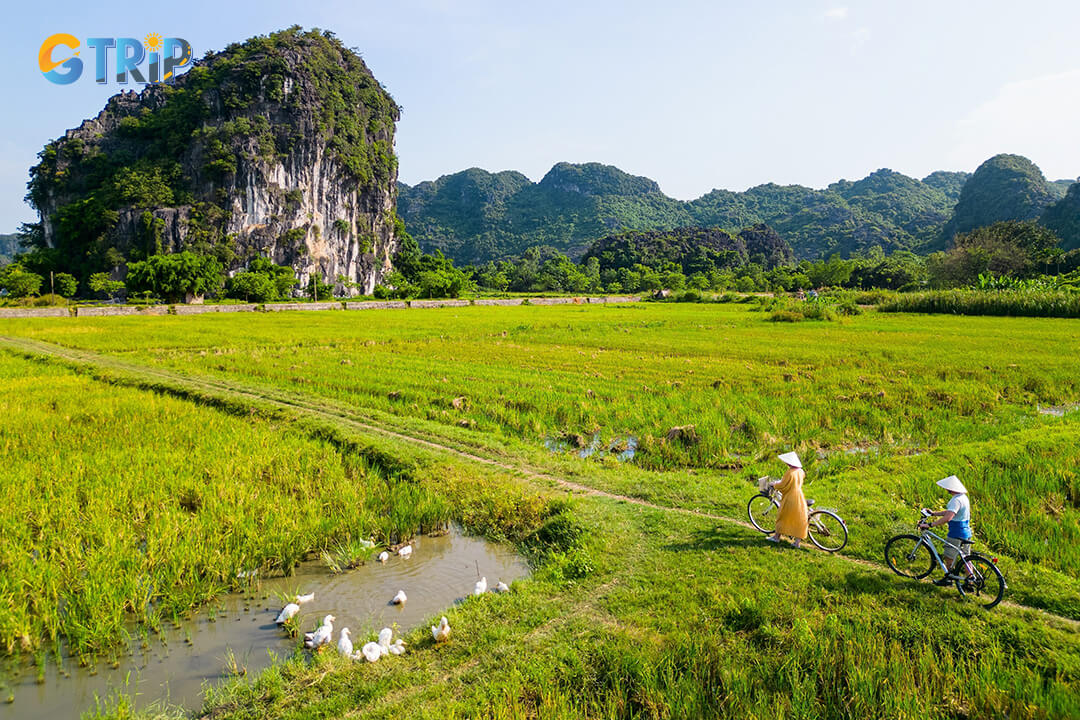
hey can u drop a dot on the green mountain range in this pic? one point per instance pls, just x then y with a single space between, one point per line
474 216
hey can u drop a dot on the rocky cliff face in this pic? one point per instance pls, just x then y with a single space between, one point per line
281 146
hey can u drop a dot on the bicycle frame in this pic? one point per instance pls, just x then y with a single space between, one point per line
928 537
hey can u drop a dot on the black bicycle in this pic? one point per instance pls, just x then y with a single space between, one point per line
915 556
826 529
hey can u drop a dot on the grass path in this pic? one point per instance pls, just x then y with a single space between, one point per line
165 380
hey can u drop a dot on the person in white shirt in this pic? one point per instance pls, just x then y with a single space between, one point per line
958 516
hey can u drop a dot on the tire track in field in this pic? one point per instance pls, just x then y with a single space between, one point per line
323 410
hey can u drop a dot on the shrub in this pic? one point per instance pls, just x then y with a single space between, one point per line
65 284
101 283
249 286
786 316
322 290
19 282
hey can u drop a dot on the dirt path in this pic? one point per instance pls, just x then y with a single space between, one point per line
355 420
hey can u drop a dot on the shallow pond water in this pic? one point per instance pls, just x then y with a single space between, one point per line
623 448
440 572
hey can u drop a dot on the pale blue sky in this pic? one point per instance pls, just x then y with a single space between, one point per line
697 95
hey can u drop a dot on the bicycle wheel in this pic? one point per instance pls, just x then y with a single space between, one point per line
983 582
762 510
908 556
827 530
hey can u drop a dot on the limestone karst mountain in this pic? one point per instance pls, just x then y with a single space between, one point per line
280 146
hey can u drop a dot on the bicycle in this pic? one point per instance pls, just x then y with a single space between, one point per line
826 529
915 556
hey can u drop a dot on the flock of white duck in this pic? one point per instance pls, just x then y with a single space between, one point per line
386 645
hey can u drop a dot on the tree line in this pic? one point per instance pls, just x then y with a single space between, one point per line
633 262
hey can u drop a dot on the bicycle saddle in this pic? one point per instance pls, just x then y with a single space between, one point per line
809 503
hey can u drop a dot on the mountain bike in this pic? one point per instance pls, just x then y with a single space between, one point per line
915 556
826 529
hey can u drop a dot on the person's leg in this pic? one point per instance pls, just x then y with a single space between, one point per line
948 555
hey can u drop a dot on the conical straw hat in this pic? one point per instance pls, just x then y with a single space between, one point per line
790 459
952 484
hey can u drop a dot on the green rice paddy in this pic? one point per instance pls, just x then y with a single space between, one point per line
636 611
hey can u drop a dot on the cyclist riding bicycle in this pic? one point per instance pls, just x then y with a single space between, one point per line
958 516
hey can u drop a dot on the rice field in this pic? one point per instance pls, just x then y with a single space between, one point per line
637 611
879 406
126 509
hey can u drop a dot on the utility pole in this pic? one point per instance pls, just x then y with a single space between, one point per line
52 286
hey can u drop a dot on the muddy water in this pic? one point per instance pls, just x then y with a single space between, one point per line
441 572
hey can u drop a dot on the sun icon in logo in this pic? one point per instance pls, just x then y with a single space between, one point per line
152 41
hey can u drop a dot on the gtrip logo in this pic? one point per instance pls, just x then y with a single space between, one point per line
163 58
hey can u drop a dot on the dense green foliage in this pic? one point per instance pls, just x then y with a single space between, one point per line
175 276
1005 187
180 144
262 281
66 285
424 275
1063 218
19 282
475 216
694 250
950 183
1005 249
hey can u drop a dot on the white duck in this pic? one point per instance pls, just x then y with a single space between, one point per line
344 644
384 556
384 640
398 648
289 611
371 651
481 586
322 635
442 632
400 598
501 587
405 551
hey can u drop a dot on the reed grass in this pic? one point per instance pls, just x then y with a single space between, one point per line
1027 303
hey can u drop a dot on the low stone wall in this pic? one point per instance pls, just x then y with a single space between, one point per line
203 309
438 303
34 312
119 310
279 307
556 301
499 301
377 305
